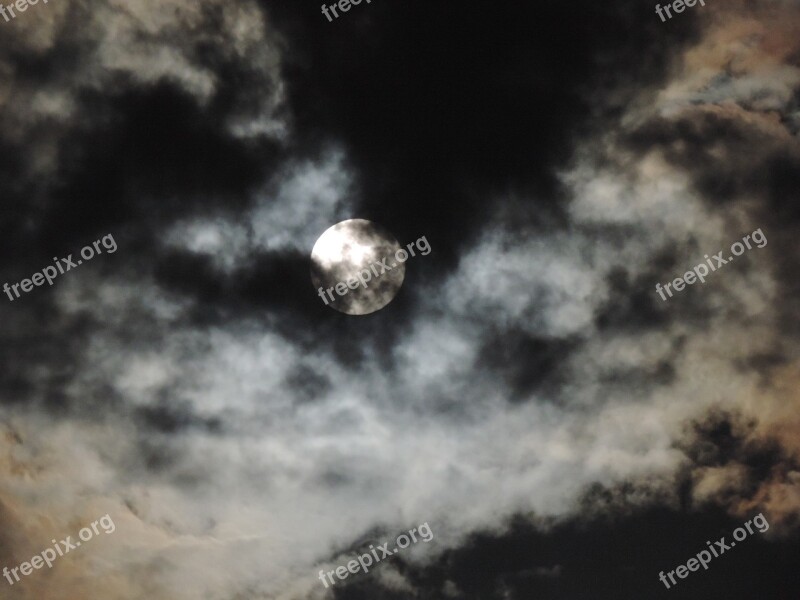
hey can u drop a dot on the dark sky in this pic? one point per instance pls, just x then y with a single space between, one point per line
565 433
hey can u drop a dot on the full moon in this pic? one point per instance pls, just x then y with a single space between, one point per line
355 268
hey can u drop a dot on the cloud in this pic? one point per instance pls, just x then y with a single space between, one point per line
194 387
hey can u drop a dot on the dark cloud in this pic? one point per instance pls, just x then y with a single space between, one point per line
527 363
440 105
572 560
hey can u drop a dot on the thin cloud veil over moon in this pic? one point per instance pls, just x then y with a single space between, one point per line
358 256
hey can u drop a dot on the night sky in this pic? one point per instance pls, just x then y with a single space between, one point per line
565 433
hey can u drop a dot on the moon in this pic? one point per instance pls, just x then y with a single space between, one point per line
354 267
